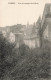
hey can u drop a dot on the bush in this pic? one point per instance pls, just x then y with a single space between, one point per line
32 64
7 59
23 63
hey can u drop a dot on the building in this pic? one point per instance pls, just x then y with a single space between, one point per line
20 34
46 22
31 36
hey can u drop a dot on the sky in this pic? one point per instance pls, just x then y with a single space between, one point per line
12 14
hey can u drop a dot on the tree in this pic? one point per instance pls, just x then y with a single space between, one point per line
40 31
7 59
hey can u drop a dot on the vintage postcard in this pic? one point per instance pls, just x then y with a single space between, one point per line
25 39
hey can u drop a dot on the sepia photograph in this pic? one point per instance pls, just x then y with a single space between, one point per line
25 39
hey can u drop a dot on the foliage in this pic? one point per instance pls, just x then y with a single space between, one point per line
23 63
7 59
33 64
